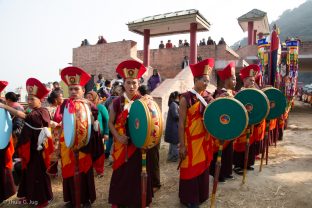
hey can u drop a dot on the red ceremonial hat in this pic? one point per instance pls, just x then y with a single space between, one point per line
227 72
130 69
249 71
258 79
202 68
3 84
75 76
36 88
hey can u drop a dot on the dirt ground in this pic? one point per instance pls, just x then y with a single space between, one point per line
285 182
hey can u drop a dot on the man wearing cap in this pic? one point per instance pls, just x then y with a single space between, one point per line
248 75
35 186
125 186
7 187
76 78
195 144
227 76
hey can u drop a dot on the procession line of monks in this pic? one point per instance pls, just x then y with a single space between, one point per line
197 150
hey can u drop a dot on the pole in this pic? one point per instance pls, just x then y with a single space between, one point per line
265 143
143 179
216 175
246 154
77 180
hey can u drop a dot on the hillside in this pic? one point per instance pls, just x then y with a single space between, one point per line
292 23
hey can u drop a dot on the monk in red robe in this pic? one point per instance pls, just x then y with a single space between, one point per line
195 143
125 186
227 76
35 186
76 79
248 75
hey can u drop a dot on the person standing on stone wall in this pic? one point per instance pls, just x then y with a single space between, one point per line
101 40
161 45
181 43
186 44
210 41
169 44
221 42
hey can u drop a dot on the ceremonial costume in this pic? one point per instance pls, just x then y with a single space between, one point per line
227 153
98 147
56 133
240 142
125 186
194 170
35 185
7 187
74 76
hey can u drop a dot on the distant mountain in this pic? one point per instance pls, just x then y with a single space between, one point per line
292 23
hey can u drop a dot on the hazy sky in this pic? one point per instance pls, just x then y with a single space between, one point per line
37 36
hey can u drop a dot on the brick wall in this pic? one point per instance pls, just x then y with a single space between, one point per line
168 61
104 58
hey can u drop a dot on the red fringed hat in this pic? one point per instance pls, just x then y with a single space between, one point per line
130 69
227 72
202 68
3 84
249 71
75 76
36 88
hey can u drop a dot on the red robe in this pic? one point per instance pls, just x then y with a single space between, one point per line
7 187
87 186
125 186
194 171
35 183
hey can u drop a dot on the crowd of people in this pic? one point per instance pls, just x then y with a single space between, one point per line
187 44
110 102
101 40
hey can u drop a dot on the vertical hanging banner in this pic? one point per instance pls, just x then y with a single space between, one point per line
292 65
263 55
275 55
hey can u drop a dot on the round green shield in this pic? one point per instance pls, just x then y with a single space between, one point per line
277 102
256 104
225 118
138 124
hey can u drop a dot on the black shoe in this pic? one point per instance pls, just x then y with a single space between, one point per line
190 205
229 177
69 205
236 168
222 180
239 171
193 206
86 205
250 168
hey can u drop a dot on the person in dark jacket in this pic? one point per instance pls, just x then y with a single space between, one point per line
154 81
171 132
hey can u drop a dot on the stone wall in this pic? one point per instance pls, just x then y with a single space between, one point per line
168 61
104 58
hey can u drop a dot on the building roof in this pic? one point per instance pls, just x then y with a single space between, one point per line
260 19
170 23
253 14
